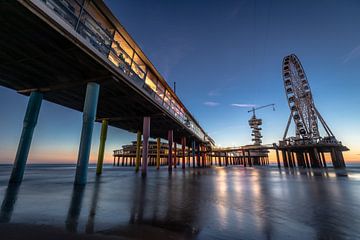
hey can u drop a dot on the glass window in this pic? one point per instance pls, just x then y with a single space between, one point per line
137 70
104 26
139 62
151 81
68 10
138 66
114 59
122 48
167 100
160 90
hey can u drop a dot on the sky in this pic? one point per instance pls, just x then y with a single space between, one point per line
220 54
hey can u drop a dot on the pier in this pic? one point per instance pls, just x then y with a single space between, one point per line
249 155
78 55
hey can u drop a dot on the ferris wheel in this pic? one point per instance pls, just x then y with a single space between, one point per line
300 100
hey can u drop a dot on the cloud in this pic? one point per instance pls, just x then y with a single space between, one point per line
242 105
211 104
354 53
214 93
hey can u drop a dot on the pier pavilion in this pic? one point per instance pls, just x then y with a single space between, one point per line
75 53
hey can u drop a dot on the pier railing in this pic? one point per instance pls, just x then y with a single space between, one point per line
94 27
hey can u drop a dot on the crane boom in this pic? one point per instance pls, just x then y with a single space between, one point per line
254 109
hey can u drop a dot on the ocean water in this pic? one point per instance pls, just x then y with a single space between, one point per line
213 203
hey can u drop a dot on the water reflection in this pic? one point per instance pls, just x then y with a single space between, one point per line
72 219
8 204
94 203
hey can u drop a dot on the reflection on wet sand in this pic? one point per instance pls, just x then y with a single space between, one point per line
8 204
219 203
94 203
160 211
72 218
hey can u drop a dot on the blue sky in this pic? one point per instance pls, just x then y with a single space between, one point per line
222 53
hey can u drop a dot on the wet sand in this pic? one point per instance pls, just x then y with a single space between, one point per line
216 203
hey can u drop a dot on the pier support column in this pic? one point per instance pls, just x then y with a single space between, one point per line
158 145
323 159
89 114
290 159
317 158
285 161
278 158
189 155
138 155
170 143
341 158
183 152
300 159
249 158
175 154
103 135
307 159
198 156
244 157
204 158
146 135
30 120
193 152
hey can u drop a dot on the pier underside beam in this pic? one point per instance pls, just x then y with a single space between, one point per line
89 113
30 120
103 135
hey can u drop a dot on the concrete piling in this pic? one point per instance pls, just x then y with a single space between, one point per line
30 120
183 152
89 114
193 152
170 143
158 145
138 154
103 135
146 135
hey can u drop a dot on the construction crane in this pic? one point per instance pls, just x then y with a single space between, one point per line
258 108
255 124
